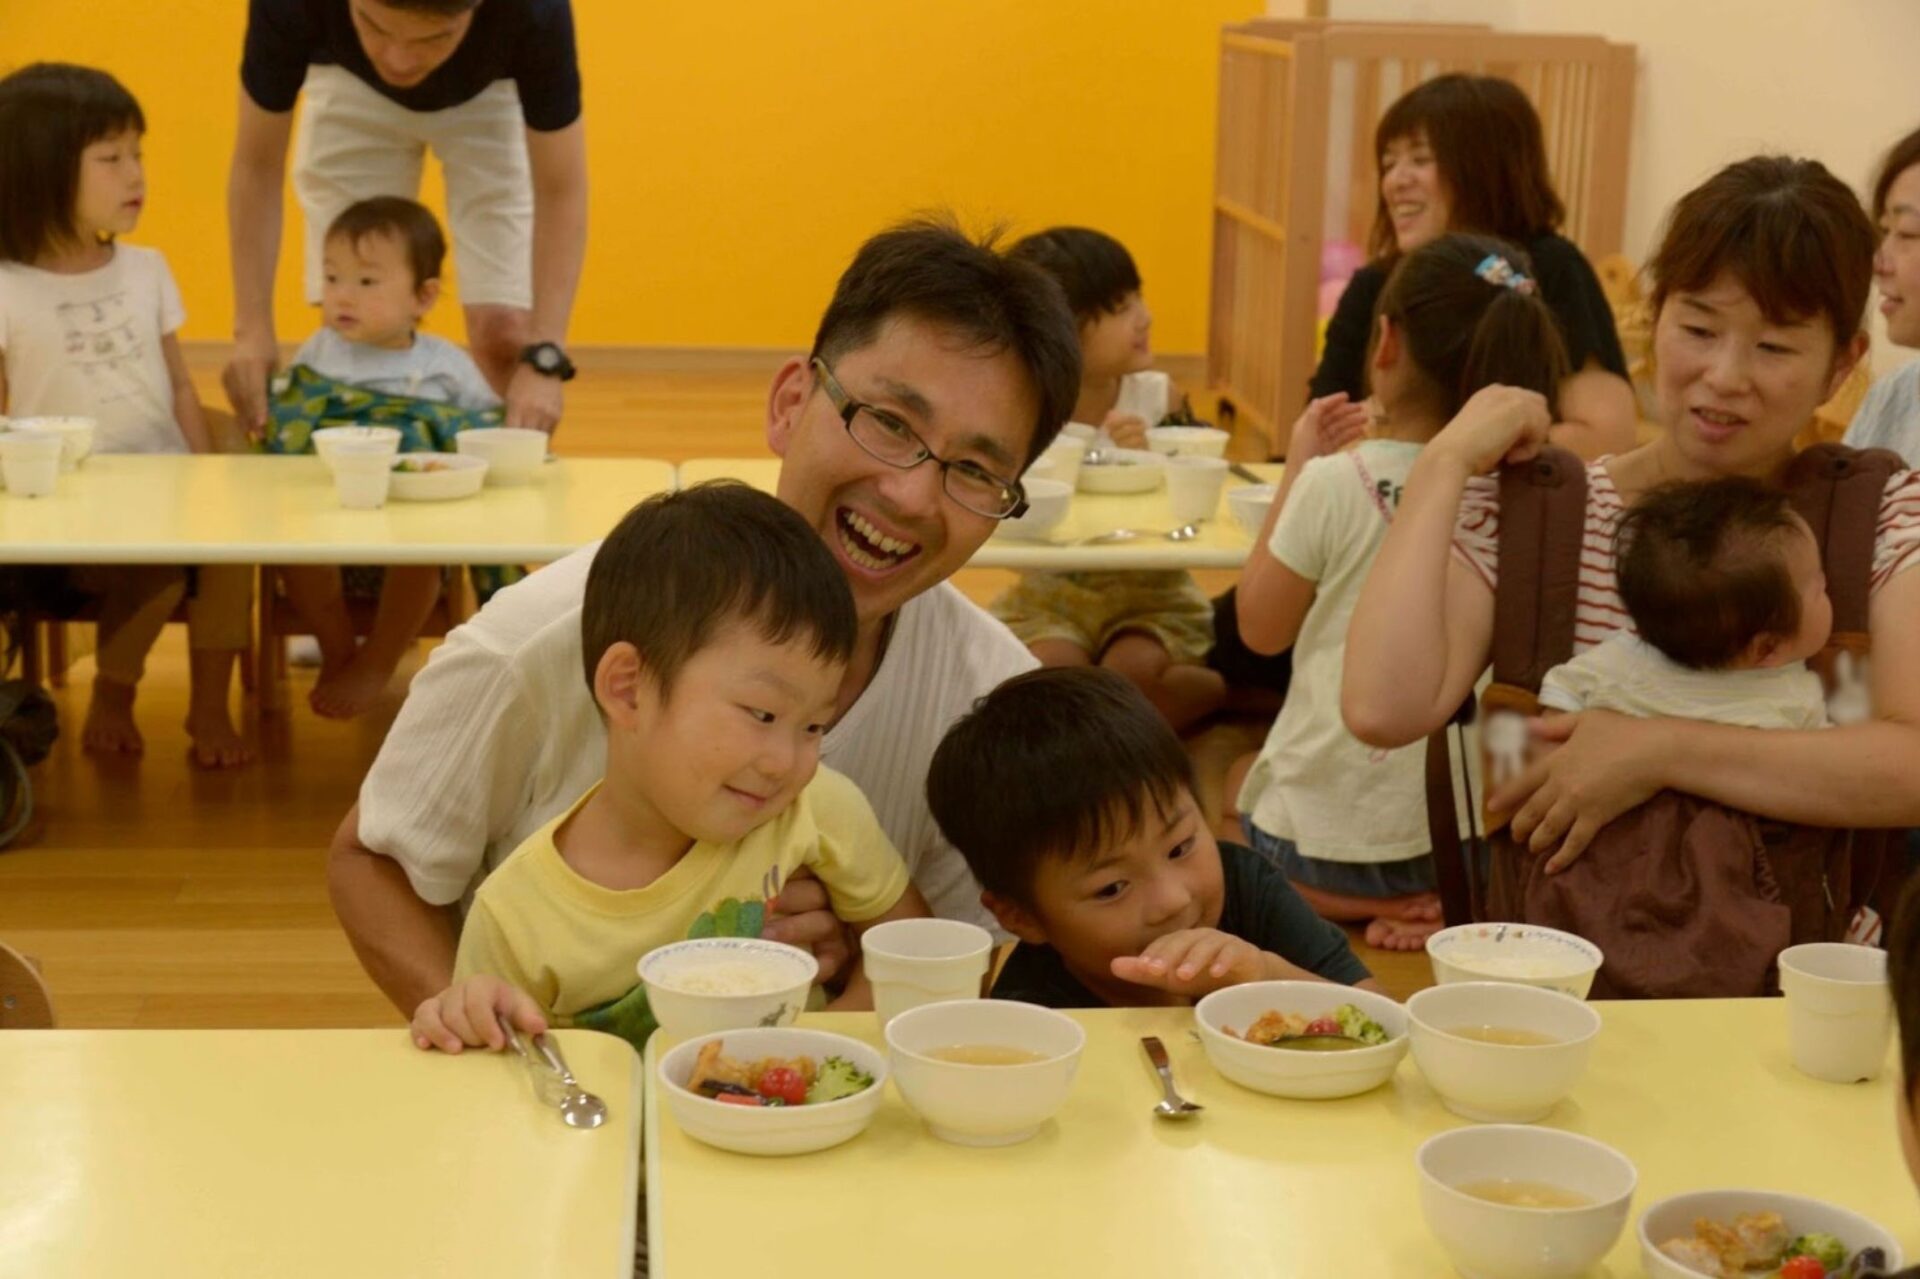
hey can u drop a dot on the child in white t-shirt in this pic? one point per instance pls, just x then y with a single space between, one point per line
1728 599
88 328
1346 822
383 259
1153 627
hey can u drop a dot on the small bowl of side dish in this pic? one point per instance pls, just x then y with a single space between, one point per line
726 983
1707 1232
723 1090
1227 1017
1514 1202
1525 954
436 477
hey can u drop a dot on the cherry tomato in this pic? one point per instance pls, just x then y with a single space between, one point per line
1323 1026
738 1099
785 1083
1803 1268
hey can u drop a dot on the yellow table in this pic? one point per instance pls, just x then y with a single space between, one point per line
306 1153
1698 1095
249 509
1222 543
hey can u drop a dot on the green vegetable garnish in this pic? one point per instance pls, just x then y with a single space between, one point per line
838 1078
1359 1025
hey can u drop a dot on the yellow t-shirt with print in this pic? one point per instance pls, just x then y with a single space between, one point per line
573 945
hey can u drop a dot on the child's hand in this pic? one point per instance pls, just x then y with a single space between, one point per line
1499 424
1128 430
1325 426
1195 962
467 1013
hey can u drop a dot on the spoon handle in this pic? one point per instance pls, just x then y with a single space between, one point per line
551 1051
1157 1054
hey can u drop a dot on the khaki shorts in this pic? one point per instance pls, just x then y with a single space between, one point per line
354 144
1091 610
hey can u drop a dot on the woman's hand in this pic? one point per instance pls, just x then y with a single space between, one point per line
1325 426
1499 424
1597 766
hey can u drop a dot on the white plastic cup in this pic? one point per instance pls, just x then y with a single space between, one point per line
911 962
1839 1010
362 476
1194 485
30 461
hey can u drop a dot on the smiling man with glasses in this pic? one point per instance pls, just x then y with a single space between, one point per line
939 372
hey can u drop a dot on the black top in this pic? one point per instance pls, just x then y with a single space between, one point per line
1260 907
527 41
1567 285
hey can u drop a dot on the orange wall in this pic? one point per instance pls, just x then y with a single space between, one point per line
741 151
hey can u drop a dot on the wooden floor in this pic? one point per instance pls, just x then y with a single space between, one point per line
155 895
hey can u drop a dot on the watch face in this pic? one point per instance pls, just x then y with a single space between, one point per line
546 359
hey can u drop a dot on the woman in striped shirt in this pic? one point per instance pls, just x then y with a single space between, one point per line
1760 285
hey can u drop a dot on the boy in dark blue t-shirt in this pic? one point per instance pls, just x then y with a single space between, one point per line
1073 803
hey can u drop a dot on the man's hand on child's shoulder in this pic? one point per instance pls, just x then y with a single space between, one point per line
1199 961
467 1014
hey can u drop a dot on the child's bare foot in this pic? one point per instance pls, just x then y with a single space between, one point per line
352 689
217 743
1401 934
110 729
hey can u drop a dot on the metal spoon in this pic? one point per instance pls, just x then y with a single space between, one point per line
1173 1105
578 1108
1185 533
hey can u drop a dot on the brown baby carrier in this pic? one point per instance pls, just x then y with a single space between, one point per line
1686 898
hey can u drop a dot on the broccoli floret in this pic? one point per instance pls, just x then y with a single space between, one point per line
1828 1251
1357 1024
838 1078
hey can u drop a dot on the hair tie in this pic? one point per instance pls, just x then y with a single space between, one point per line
1495 269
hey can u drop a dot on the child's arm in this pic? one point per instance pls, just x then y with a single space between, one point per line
857 996
186 401
488 980
1272 600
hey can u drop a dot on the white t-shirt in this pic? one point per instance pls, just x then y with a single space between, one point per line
1629 675
499 734
1315 783
1889 418
1147 395
431 369
89 345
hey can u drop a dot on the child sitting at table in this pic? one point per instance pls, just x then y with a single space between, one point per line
382 259
716 628
1152 626
1728 598
1073 803
89 328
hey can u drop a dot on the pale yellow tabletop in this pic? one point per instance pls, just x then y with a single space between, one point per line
1221 543
247 509
1699 1095
319 1153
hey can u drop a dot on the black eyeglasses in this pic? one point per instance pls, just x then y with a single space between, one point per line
883 436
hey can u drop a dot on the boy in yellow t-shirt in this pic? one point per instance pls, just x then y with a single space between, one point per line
715 630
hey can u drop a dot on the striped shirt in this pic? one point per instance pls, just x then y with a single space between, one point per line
1598 612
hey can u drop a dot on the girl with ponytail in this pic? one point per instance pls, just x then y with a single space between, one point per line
1348 824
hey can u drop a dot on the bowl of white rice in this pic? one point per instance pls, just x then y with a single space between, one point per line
712 984
1524 954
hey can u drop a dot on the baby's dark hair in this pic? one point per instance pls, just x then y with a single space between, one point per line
407 221
1462 331
681 566
1094 269
1903 972
50 112
1702 568
1058 763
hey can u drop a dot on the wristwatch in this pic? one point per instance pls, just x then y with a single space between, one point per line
547 358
